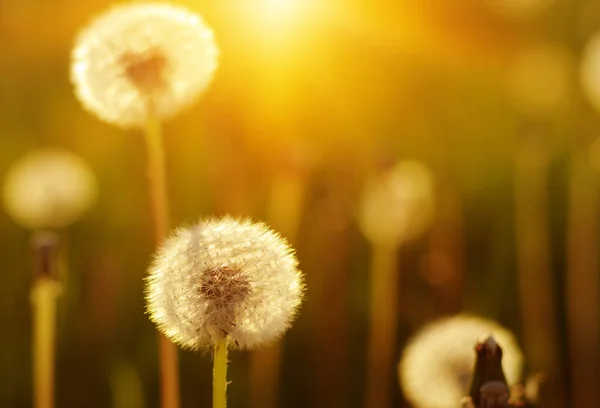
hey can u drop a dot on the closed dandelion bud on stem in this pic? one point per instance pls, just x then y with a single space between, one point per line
436 367
224 278
142 59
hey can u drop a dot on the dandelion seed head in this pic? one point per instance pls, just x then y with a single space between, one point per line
224 277
141 56
398 205
436 366
48 188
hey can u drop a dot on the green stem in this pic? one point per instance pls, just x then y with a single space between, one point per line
44 293
157 177
220 374
160 214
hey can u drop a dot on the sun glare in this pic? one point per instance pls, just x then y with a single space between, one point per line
279 7
278 15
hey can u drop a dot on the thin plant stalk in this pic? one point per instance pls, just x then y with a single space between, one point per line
169 364
535 278
220 374
583 298
446 271
283 213
383 317
126 384
44 293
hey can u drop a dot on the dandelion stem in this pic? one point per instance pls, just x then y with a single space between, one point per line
44 292
383 320
160 211
220 374
582 279
535 280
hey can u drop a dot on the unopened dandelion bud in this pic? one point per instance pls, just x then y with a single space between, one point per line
49 188
141 59
436 366
398 205
45 245
224 278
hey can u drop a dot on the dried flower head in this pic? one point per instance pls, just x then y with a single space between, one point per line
141 56
436 366
49 188
397 205
224 277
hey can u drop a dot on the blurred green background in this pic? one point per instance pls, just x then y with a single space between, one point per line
323 94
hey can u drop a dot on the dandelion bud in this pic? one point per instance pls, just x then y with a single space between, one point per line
141 56
224 278
398 205
436 366
49 188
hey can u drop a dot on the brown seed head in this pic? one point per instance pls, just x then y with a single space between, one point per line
224 286
147 71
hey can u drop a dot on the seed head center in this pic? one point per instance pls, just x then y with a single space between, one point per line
146 71
224 286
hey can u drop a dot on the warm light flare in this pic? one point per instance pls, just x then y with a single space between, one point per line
280 6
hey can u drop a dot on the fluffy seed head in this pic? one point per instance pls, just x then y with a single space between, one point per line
224 277
48 188
398 205
141 56
436 366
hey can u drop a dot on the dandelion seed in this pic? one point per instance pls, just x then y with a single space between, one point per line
436 366
49 188
224 278
138 57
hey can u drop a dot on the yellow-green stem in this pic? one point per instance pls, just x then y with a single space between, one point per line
383 318
44 291
220 374
160 214
43 299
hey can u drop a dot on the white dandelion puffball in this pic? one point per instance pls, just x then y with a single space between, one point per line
138 57
224 278
590 71
436 366
49 188
398 205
